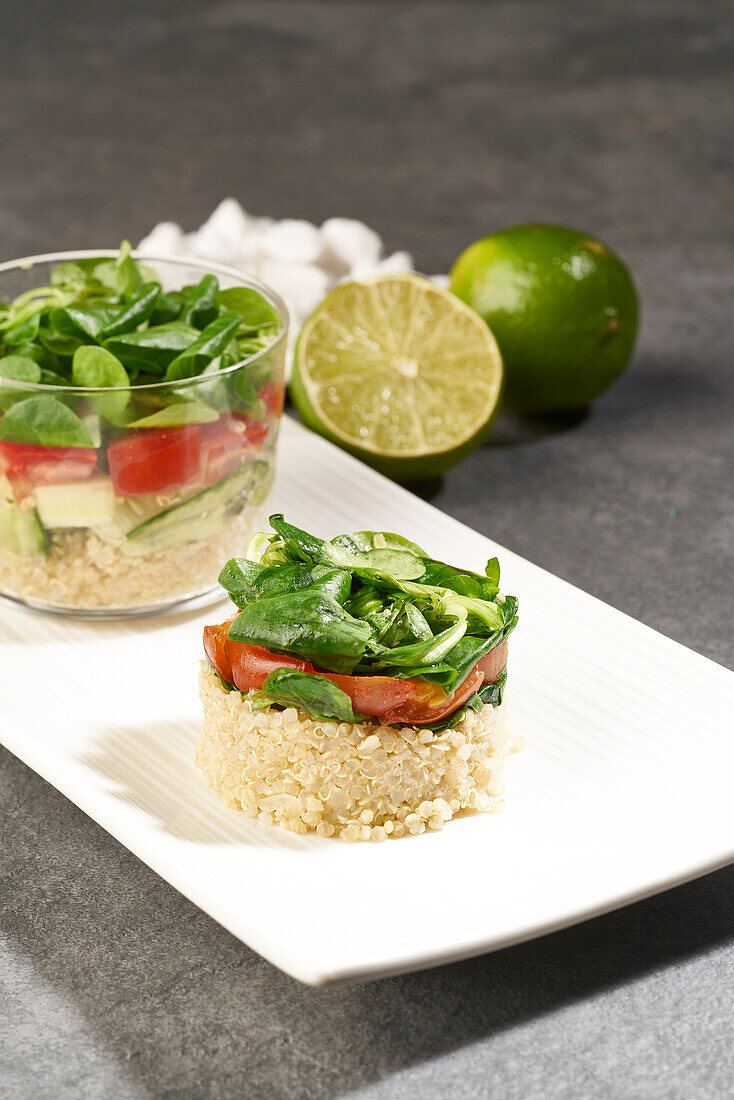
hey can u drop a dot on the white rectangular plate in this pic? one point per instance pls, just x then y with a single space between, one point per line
624 787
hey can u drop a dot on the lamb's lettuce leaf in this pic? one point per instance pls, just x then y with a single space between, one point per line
315 694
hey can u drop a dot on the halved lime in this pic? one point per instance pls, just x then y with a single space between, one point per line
398 371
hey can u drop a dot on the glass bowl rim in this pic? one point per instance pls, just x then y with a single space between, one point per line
207 266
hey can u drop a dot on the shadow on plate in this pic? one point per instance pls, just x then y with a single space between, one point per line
153 769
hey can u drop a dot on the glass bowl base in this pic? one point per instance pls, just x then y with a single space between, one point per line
212 594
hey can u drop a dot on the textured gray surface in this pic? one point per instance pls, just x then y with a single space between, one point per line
436 123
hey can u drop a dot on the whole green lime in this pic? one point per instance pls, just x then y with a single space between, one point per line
562 307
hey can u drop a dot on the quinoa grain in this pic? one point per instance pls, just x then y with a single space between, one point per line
361 781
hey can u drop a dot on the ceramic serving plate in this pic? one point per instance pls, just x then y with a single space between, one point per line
616 795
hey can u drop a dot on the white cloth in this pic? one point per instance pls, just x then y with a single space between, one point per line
300 261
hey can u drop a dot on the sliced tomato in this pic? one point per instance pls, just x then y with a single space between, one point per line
273 394
255 430
26 465
424 711
224 448
492 663
251 664
153 461
215 647
375 695
245 666
396 702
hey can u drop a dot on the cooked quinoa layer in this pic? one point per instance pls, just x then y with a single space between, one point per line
82 572
362 781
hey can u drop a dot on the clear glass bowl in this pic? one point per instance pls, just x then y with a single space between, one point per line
143 522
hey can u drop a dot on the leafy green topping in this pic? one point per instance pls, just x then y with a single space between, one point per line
255 311
370 603
20 368
212 342
152 349
107 322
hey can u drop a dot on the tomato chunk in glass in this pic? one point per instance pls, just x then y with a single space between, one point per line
153 461
226 444
26 465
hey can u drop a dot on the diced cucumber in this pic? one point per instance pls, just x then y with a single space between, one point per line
76 503
128 513
201 516
20 530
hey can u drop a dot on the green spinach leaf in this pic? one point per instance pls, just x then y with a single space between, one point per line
20 368
245 580
137 309
46 421
17 368
298 541
394 564
492 569
255 311
154 348
200 304
167 307
360 541
418 622
58 343
123 274
335 582
461 581
315 694
239 578
307 622
210 343
173 416
77 322
97 368
24 332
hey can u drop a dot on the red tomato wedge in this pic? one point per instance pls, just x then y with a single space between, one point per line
224 448
153 461
251 664
406 702
420 711
492 663
26 465
215 647
254 430
273 394
375 695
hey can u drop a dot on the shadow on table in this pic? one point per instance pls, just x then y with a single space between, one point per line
660 385
181 1007
651 389
510 431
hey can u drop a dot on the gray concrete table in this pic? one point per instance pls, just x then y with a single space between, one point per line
435 123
